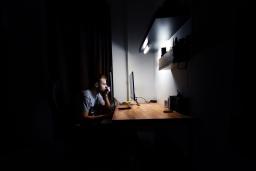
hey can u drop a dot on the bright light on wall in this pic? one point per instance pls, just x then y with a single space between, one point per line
166 44
158 56
165 83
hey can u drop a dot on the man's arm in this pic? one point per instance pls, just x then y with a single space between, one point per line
87 106
107 103
104 95
87 116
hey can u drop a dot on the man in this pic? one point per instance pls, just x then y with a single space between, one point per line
96 103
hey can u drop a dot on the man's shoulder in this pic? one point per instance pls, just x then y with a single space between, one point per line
99 95
86 92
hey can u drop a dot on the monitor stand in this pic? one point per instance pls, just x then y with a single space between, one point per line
136 100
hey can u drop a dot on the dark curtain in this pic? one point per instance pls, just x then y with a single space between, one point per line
47 42
79 47
95 37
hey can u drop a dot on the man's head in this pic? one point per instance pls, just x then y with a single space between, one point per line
101 83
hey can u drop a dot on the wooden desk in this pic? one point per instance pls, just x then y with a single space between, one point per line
145 111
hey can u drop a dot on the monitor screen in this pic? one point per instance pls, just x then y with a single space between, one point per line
132 91
132 88
111 86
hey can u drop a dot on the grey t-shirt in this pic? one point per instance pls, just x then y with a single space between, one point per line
91 102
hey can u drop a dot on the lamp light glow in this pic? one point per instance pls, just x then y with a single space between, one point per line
146 49
145 43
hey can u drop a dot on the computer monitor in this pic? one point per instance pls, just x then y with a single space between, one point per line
132 89
111 84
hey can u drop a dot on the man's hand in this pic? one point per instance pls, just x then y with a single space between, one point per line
107 90
105 97
93 117
98 116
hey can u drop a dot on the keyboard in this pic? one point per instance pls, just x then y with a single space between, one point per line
124 106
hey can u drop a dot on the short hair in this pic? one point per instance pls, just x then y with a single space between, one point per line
96 78
102 76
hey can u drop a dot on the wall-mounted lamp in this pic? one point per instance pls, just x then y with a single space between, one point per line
145 43
146 49
146 46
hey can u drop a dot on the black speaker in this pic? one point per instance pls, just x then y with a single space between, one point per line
163 51
172 103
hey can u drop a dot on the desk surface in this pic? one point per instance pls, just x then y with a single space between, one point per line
145 111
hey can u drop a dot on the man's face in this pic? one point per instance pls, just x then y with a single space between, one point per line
102 84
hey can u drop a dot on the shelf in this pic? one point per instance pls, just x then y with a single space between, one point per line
179 55
179 65
166 60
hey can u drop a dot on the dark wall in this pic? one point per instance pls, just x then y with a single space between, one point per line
28 88
44 54
28 91
215 82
